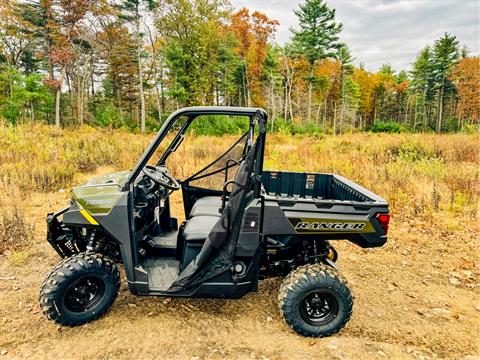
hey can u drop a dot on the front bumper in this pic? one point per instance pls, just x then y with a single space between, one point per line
56 234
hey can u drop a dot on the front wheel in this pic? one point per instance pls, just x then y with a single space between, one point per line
315 300
80 289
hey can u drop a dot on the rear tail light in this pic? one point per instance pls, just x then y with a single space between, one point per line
384 220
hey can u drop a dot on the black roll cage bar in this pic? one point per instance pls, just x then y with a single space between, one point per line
191 113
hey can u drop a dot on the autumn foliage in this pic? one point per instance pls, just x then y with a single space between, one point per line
129 63
252 32
466 76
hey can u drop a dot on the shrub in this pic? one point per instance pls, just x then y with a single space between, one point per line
386 127
109 116
15 231
10 111
219 125
290 128
471 129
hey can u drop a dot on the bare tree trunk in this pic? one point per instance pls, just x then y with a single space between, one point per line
310 88
340 122
290 105
57 107
342 100
162 91
81 97
244 83
317 118
140 71
70 92
325 111
247 86
406 110
79 93
440 108
415 114
92 79
157 91
58 95
335 119
425 118
288 89
272 96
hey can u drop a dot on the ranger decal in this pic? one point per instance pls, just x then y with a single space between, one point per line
330 226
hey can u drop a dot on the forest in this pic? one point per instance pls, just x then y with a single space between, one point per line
129 63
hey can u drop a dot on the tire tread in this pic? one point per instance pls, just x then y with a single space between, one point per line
303 276
49 288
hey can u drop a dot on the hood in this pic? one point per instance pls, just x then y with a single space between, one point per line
117 178
100 194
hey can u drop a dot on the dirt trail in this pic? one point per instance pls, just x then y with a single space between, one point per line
417 297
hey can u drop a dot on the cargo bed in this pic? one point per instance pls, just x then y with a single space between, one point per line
325 206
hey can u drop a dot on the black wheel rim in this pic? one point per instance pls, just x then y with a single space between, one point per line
319 307
84 294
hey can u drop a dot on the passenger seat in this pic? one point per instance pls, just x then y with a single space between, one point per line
207 206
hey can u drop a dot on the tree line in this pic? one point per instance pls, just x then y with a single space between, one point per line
131 62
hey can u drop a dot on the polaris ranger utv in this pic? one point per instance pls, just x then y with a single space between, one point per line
249 225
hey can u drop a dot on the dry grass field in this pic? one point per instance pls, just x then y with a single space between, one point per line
418 297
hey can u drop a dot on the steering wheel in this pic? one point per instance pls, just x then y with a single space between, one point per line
161 176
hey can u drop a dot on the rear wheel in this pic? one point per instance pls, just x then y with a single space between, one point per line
315 300
80 289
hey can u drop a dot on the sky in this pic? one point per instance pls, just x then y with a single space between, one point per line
385 31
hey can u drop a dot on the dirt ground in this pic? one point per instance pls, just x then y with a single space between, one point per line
417 297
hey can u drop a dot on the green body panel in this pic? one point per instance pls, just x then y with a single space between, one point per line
100 194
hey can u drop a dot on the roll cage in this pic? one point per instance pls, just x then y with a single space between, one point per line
257 116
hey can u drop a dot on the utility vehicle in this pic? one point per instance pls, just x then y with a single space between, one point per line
243 223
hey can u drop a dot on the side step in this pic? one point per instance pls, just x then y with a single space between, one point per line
161 273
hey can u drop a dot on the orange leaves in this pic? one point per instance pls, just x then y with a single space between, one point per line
368 82
263 27
466 76
253 32
403 86
242 30
329 68
52 84
61 56
75 10
331 71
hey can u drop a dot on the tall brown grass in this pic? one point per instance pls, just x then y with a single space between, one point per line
416 173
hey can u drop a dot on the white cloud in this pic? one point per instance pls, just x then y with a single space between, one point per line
386 31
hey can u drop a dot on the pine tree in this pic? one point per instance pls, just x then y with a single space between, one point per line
422 84
446 54
317 37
